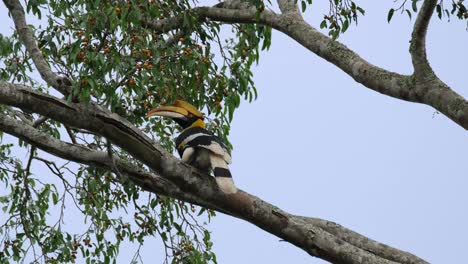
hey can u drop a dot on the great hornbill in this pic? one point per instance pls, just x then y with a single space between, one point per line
198 146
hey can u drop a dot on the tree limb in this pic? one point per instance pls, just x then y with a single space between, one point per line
85 155
71 135
114 167
62 84
163 25
367 244
335 244
107 124
427 86
429 91
39 121
289 6
418 39
388 83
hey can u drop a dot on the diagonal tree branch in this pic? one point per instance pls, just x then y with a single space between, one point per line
62 84
163 25
319 238
102 122
367 244
388 83
430 91
418 39
85 155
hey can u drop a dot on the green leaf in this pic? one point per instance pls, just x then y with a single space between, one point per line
304 6
55 198
345 25
202 210
323 24
409 13
414 5
362 11
390 14
334 34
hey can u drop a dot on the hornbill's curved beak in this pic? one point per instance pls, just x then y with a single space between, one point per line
180 109
168 111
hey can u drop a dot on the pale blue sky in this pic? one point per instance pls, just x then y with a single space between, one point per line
316 143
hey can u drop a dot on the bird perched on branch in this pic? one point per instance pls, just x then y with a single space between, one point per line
198 146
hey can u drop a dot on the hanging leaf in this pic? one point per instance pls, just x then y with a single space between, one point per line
390 14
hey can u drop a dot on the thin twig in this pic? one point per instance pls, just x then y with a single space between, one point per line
112 160
70 134
39 121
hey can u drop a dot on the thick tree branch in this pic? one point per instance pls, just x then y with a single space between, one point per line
229 13
167 24
85 155
327 241
428 87
365 243
418 39
102 122
163 25
289 6
62 84
388 83
238 15
429 91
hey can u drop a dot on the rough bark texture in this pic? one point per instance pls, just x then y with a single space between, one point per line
62 85
320 238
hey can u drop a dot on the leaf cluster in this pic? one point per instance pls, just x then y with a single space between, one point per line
457 9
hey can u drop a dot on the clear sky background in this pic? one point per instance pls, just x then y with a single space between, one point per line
318 144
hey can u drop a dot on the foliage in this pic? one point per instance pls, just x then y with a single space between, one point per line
457 8
341 14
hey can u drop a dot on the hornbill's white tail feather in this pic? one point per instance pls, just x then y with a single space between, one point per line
226 185
187 155
223 175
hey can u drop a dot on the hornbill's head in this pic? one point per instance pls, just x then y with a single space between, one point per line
183 113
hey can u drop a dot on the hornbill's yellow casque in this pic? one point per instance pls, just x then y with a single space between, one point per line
196 145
